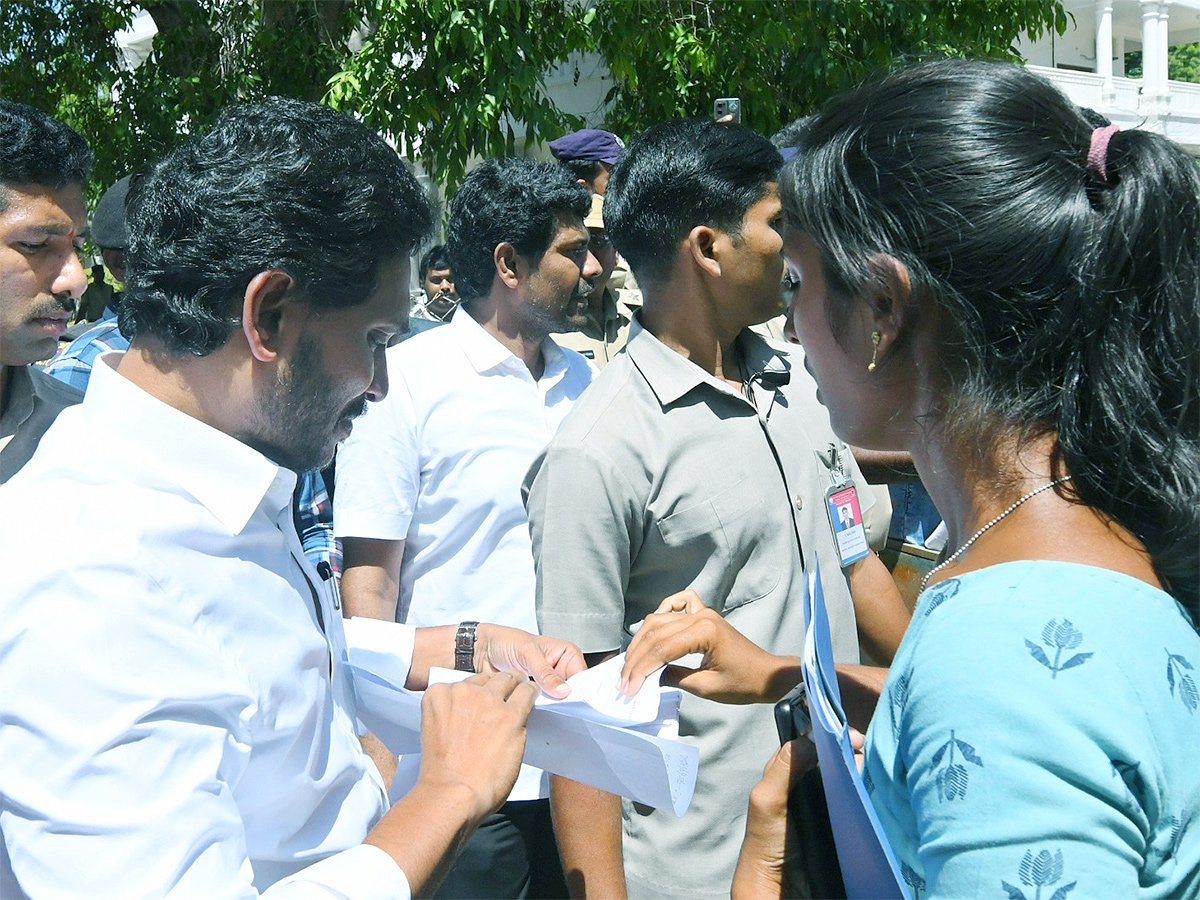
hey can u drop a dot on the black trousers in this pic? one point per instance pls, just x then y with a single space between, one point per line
513 856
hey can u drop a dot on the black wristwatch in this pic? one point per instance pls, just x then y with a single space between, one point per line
464 647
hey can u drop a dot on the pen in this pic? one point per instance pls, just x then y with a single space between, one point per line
325 570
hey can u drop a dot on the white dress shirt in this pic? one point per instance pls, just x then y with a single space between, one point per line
173 722
438 463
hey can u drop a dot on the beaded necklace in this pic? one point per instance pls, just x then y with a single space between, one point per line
963 549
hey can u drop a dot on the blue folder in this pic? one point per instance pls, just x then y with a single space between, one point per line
869 868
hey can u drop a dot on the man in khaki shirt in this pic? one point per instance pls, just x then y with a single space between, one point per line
43 165
698 459
607 326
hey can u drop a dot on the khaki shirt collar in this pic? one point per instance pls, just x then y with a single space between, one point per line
18 405
614 316
671 376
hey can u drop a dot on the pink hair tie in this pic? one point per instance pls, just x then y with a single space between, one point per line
1097 158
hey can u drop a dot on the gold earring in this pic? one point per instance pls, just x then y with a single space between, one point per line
876 337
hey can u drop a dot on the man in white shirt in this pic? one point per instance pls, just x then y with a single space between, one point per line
177 718
428 500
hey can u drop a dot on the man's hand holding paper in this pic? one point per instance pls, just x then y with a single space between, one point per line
473 734
598 735
547 660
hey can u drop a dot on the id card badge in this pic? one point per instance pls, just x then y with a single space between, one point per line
845 517
843 508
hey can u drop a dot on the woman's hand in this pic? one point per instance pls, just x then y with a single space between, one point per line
860 687
734 669
769 848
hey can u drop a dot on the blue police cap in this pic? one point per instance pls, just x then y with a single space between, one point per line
590 143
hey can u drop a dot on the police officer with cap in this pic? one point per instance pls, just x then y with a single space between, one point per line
590 154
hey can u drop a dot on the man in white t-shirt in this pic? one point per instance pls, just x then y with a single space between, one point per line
428 498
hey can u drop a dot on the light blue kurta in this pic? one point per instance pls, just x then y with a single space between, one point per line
1039 738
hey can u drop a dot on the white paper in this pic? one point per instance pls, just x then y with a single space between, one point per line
594 695
626 746
654 770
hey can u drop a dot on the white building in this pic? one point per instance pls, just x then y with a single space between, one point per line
1088 63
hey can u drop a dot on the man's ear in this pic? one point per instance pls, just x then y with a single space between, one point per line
701 247
505 257
269 306
889 298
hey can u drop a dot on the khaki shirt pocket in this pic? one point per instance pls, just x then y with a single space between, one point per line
720 539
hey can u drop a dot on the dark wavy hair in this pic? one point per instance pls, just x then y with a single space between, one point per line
680 174
1072 301
436 258
277 184
38 149
509 200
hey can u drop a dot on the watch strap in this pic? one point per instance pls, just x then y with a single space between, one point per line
464 647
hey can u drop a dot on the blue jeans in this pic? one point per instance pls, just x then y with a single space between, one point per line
913 514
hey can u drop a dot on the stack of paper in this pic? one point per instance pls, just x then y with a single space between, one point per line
624 745
869 868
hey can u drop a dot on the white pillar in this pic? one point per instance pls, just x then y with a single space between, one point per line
1104 50
1150 50
1163 78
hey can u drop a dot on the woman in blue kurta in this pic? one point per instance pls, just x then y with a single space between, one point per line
1008 287
1038 738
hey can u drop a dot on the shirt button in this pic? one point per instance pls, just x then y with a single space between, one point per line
799 502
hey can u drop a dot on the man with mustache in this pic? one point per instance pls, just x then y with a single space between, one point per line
607 326
428 499
178 717
43 165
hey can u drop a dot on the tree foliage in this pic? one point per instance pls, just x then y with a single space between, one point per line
450 79
1183 63
61 56
783 58
454 77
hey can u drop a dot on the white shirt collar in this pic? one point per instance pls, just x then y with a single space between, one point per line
229 478
484 352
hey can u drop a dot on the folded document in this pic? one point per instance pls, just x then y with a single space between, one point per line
869 868
596 735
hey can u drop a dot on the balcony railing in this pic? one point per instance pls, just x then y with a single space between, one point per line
1185 97
1087 89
